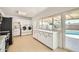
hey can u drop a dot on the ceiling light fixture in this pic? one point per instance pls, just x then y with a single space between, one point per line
21 13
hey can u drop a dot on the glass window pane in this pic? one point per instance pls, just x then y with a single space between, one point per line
72 24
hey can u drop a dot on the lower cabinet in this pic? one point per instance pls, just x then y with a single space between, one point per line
35 34
49 39
40 36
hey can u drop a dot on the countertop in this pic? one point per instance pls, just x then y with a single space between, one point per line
46 30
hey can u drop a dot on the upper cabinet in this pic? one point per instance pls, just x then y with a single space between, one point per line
57 22
45 24
50 23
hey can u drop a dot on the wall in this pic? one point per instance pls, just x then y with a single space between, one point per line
72 44
3 14
23 21
72 27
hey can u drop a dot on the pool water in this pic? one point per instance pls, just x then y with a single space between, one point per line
72 32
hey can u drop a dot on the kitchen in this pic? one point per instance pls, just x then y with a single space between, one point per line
41 24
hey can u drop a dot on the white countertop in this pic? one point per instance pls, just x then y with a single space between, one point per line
46 30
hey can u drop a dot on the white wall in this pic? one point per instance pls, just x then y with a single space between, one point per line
3 14
72 44
23 21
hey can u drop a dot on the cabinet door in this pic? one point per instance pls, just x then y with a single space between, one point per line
43 38
49 40
35 35
40 36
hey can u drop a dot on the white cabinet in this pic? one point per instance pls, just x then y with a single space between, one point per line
35 34
40 36
27 32
48 38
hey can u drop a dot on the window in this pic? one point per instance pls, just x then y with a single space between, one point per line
72 24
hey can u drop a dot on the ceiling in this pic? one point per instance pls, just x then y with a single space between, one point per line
73 14
22 11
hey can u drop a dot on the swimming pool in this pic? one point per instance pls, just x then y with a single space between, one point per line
72 40
72 32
